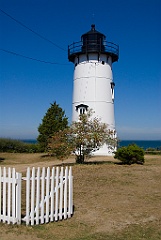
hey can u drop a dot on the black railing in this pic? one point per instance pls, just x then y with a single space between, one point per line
90 46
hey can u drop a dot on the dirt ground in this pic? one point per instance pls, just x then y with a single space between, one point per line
111 201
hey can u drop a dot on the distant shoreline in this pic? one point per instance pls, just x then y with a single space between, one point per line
145 144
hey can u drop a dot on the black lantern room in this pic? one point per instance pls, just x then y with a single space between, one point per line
93 42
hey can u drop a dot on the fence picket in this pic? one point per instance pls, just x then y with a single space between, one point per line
47 193
37 195
28 196
52 194
4 192
56 193
0 192
71 190
18 197
13 197
61 194
42 194
65 192
70 202
9 196
32 195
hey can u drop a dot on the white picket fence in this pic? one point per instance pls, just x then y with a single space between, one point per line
49 195
10 195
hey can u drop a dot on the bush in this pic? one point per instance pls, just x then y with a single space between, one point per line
10 145
130 154
153 151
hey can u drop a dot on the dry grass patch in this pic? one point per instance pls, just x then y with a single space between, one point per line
111 201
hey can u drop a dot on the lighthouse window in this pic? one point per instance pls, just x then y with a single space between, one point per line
112 90
82 108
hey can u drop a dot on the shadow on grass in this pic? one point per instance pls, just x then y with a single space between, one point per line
97 162
86 162
2 159
128 164
45 155
64 164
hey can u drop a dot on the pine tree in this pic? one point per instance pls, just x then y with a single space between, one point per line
53 121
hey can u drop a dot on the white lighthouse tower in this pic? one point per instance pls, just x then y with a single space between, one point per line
93 86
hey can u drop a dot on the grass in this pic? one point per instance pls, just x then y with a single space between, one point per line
111 201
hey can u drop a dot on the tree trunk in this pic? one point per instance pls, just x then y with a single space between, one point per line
80 159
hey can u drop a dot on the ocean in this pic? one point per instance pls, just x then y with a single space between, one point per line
141 143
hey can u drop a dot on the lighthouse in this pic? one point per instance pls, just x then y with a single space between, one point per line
93 85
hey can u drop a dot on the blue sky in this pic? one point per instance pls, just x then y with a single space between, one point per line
28 87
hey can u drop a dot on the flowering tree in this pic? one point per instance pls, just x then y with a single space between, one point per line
89 135
82 137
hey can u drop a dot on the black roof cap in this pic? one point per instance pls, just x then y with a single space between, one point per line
93 31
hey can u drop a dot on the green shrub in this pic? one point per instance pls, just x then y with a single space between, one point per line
11 145
153 152
130 154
